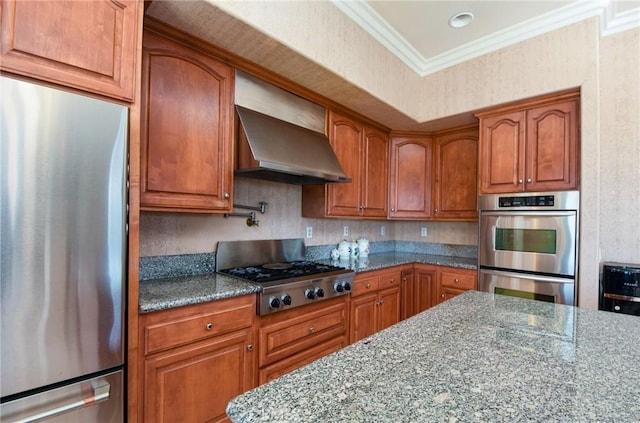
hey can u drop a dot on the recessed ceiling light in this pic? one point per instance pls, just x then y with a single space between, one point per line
461 19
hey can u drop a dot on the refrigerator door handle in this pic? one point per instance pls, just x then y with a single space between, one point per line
101 392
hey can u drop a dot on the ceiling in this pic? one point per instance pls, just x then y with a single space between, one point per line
417 31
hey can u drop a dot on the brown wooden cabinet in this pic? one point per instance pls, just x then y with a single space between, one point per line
363 154
410 183
296 337
187 130
531 146
419 289
455 188
89 45
452 282
375 302
197 358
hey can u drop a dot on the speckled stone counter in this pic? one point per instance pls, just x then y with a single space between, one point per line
390 259
161 294
475 358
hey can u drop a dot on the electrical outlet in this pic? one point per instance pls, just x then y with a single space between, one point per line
309 232
423 232
383 230
345 231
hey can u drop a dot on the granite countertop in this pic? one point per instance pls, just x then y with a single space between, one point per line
164 293
478 357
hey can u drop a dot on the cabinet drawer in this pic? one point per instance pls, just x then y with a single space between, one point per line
172 328
283 338
387 280
364 285
458 280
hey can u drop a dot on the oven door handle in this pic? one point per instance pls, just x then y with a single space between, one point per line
528 276
543 213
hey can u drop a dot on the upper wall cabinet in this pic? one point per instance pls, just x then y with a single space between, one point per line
89 45
410 184
455 192
532 146
187 130
363 154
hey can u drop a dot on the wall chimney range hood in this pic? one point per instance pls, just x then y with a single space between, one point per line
281 136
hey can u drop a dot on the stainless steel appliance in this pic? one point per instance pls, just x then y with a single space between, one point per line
620 288
529 244
279 267
63 213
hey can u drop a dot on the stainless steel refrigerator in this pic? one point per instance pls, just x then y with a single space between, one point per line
63 249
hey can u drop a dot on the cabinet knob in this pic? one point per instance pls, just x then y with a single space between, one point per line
312 329
250 347
442 296
209 326
457 280
392 209
519 181
227 195
528 180
391 280
381 302
368 286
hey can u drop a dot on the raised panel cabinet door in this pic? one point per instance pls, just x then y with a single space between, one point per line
193 384
552 145
346 135
364 317
388 307
89 45
410 178
187 131
425 291
446 293
456 175
376 181
407 292
501 153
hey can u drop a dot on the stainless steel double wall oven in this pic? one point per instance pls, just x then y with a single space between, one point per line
529 245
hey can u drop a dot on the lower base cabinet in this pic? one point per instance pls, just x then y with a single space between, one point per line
196 359
452 282
375 302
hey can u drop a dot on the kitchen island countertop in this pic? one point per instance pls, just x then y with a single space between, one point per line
478 357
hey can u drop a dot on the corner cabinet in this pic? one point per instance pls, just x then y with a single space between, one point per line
455 189
196 359
531 146
89 45
419 289
410 183
187 129
363 152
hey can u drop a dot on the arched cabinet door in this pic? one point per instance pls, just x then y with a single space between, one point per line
89 45
187 129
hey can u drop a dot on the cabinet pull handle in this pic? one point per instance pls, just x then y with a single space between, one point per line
312 329
391 280
457 280
368 286
250 347
209 326
227 195
528 180
392 209
441 295
381 302
436 210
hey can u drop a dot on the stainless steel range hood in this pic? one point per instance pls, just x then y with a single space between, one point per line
281 136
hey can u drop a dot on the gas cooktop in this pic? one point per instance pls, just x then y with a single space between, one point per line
279 271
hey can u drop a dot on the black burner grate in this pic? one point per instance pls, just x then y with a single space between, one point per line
277 271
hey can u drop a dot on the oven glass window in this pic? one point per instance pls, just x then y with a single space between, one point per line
523 294
526 240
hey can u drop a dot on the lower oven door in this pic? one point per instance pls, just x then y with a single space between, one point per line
536 287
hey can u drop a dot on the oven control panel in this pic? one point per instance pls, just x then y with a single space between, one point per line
527 201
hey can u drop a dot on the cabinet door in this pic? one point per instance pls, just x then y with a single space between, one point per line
552 144
425 290
364 313
407 293
187 131
345 135
456 175
90 45
410 181
376 182
501 153
195 383
388 307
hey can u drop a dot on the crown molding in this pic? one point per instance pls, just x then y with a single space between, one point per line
368 19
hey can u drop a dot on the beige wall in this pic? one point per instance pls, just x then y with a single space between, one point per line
347 65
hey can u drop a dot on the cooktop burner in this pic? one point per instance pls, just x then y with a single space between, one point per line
269 272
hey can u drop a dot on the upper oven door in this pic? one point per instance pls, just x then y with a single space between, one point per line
531 241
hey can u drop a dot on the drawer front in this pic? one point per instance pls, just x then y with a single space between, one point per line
285 338
203 321
364 285
389 279
458 280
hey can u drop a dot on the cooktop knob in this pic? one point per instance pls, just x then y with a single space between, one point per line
286 299
319 292
310 294
274 302
338 287
347 286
